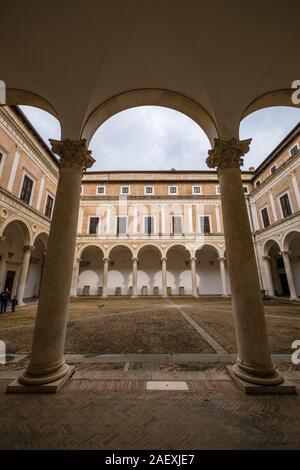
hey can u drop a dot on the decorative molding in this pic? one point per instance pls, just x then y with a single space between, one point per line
72 153
227 153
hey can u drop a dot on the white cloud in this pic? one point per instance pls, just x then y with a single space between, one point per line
155 138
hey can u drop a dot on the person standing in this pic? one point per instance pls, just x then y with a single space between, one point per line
14 302
4 298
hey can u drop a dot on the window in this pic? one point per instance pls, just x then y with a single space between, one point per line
204 224
218 189
125 190
121 225
149 190
101 189
49 206
176 224
26 189
257 183
197 190
273 169
265 217
2 157
245 189
172 189
94 225
149 225
294 150
285 205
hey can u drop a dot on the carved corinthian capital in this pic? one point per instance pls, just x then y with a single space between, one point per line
72 153
227 153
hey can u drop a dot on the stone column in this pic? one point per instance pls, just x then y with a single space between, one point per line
24 273
289 274
47 364
105 276
75 277
194 278
164 277
254 363
223 277
134 277
268 272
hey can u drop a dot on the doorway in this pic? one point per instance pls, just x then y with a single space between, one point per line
9 281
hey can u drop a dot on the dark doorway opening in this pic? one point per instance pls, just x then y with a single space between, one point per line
9 281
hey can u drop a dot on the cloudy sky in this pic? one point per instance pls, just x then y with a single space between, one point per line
154 138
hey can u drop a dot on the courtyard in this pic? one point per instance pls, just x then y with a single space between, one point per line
119 347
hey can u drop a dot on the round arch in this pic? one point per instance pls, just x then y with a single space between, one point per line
26 229
268 245
207 245
16 96
89 245
289 237
175 245
149 245
43 236
117 245
274 98
150 97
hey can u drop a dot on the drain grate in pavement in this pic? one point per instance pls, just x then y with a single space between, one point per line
166 385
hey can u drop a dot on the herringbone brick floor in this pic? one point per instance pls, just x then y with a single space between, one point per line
90 416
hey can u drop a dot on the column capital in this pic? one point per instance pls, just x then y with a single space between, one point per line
106 259
193 258
164 258
73 153
227 153
285 253
28 248
135 258
266 258
221 258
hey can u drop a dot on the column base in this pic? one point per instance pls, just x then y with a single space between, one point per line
263 386
52 387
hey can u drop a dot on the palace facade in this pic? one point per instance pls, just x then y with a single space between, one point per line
144 233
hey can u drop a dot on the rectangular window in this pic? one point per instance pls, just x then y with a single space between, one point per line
94 225
121 225
257 183
265 217
172 189
218 190
245 188
204 224
176 224
285 205
197 190
125 190
149 225
273 169
26 189
100 189
49 206
149 190
294 150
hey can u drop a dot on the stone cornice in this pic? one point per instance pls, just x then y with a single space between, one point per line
278 225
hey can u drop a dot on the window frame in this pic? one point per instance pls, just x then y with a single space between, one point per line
218 190
197 186
2 162
266 207
169 190
126 227
26 173
154 224
247 189
121 190
172 224
290 150
89 224
286 192
145 192
210 227
257 183
273 166
101 194
45 205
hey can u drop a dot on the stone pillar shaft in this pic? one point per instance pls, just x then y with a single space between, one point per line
223 277
254 359
23 273
194 278
75 277
105 276
47 362
289 274
268 275
164 276
134 277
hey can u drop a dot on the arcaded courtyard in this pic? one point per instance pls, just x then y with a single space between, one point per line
122 349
